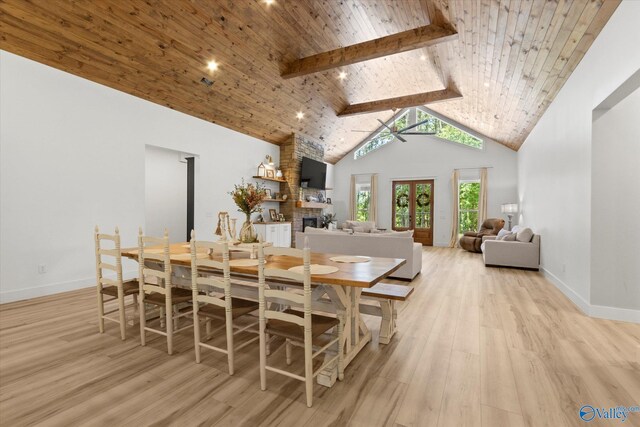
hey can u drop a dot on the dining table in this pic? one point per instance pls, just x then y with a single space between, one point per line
337 292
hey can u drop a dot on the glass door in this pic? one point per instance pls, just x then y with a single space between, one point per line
413 209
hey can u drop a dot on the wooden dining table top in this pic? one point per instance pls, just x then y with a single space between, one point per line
361 274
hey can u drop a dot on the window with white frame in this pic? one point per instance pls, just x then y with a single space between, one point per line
429 125
383 137
445 130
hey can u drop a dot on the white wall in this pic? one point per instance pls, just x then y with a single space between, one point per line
554 164
73 156
424 156
165 195
615 270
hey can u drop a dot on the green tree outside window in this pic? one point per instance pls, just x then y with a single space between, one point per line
362 205
469 196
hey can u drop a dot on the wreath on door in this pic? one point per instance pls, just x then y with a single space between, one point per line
402 200
423 200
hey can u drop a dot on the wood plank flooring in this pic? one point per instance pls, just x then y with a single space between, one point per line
476 346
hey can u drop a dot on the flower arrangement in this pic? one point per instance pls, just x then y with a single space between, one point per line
248 197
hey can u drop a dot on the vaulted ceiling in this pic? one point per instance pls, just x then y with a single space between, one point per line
508 60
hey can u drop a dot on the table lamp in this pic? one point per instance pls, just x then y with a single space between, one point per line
509 209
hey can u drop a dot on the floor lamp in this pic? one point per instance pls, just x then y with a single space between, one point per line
509 209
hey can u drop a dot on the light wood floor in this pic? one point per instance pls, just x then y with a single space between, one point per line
475 346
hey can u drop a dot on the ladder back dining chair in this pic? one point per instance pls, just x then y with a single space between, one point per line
156 288
210 305
304 329
115 287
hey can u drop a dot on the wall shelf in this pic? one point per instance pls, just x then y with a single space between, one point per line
270 179
312 205
274 200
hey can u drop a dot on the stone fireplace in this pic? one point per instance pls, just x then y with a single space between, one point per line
291 154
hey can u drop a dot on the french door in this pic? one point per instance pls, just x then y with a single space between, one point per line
413 209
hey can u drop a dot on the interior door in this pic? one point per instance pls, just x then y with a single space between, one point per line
413 209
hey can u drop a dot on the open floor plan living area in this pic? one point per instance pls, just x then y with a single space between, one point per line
319 213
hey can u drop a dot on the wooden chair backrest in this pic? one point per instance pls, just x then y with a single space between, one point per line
283 296
199 259
160 266
116 265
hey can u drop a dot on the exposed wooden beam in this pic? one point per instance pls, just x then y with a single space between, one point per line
400 102
405 41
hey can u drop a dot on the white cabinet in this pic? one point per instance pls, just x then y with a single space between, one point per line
277 233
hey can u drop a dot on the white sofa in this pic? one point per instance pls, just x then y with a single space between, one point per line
375 245
512 254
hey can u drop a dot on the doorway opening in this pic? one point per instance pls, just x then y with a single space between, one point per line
169 193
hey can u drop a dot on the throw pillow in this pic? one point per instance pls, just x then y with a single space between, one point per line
524 235
366 225
502 233
511 237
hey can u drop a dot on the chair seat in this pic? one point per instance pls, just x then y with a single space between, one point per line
239 307
178 295
129 288
319 325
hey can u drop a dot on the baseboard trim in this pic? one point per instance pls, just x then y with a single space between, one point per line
615 313
53 288
599 311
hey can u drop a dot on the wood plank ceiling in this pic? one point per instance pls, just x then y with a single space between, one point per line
510 58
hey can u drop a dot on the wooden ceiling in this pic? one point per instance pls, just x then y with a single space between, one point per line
508 61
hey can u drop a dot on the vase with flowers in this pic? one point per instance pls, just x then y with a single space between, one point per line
248 198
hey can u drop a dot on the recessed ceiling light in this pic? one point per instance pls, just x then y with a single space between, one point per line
341 139
300 115
486 84
423 57
269 2
212 65
342 75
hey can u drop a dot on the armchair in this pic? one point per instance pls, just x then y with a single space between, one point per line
472 240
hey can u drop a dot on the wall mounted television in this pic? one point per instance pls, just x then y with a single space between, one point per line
313 174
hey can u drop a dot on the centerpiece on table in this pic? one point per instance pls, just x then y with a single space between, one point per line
248 198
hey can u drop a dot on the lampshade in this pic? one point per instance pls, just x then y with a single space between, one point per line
509 208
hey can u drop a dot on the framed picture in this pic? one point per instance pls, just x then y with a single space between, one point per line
277 196
281 217
271 173
268 193
328 200
273 215
261 169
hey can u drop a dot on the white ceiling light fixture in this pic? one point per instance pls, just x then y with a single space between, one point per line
269 2
299 115
342 75
423 57
212 65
